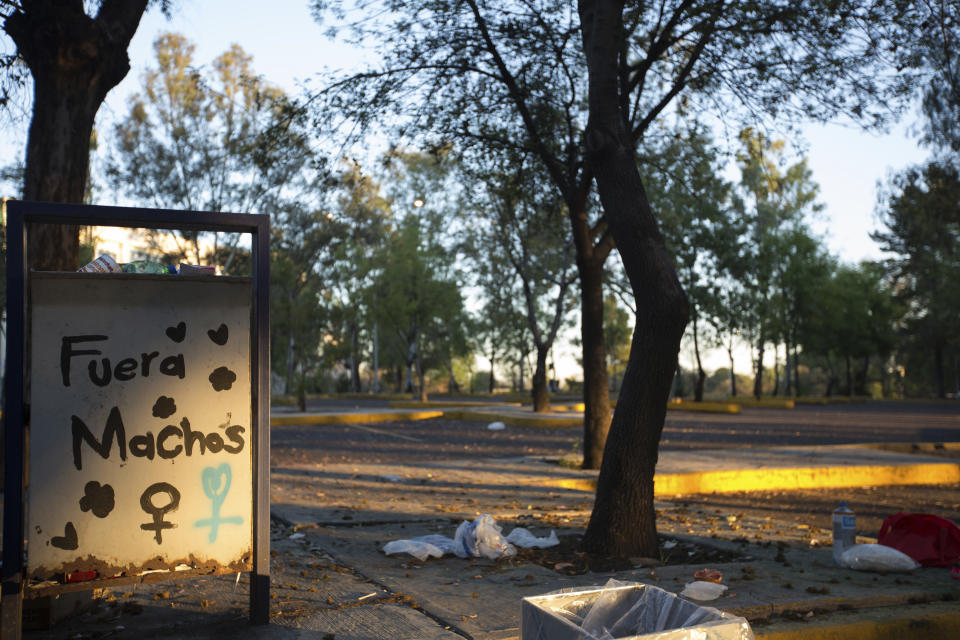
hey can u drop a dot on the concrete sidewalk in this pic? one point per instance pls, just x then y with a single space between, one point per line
330 579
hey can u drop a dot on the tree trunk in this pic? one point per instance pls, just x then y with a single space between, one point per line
701 374
796 369
733 376
420 379
596 390
491 383
376 358
522 358
74 61
788 370
758 375
776 368
452 386
354 358
623 522
541 399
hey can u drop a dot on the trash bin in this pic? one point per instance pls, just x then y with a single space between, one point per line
625 611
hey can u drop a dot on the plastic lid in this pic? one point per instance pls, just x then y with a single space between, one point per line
843 503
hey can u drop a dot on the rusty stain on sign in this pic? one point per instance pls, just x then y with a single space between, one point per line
133 467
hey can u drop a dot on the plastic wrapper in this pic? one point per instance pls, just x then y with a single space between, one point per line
482 537
703 591
620 610
103 264
145 266
876 557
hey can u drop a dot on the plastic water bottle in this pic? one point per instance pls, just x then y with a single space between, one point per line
844 530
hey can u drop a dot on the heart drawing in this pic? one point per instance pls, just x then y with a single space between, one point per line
177 333
68 541
219 336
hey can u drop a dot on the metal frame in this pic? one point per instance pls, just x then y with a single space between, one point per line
19 215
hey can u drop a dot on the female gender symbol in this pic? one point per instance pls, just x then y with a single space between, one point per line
146 503
216 484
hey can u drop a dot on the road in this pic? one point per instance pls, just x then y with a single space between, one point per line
410 441
805 425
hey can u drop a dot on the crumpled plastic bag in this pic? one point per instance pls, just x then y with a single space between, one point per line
876 557
703 591
482 537
523 538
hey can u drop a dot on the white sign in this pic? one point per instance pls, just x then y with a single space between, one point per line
140 424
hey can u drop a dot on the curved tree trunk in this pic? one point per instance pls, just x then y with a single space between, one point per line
623 521
701 374
541 399
74 61
596 385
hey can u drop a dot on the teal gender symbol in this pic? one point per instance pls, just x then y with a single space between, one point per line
216 484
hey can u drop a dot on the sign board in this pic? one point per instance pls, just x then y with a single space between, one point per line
140 424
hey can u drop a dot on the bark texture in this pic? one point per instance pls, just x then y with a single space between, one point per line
623 520
75 60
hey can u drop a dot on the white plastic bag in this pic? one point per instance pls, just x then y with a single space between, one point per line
876 557
523 538
433 546
703 591
482 537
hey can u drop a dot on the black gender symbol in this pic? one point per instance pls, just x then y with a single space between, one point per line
177 333
220 335
146 503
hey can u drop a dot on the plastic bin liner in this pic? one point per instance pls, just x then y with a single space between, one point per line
625 610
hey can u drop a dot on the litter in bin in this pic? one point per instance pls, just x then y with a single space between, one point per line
481 537
876 557
496 426
625 610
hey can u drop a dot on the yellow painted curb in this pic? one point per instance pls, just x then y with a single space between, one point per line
764 403
348 418
513 420
830 400
669 484
806 478
921 627
707 407
441 404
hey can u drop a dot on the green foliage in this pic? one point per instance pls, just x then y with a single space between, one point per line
522 253
209 138
920 212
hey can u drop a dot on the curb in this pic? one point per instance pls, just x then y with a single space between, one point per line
445 404
706 407
349 418
784 479
515 420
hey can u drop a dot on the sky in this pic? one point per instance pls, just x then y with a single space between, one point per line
289 47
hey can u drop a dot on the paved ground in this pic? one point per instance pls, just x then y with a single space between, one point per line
805 425
340 492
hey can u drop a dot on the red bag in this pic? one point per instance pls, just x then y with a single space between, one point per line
930 540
